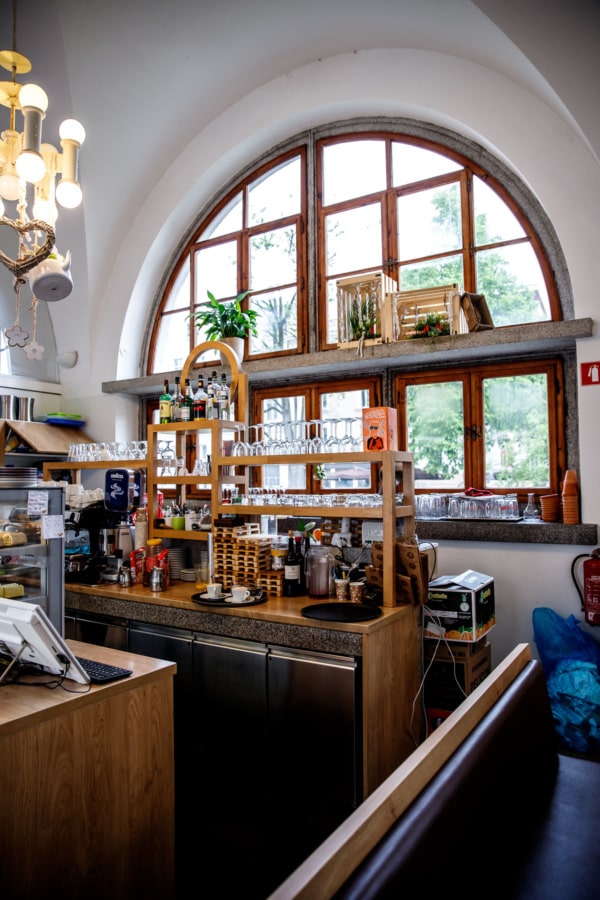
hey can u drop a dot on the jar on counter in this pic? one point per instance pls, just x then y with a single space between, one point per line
153 548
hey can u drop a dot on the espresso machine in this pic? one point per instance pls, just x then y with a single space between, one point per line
104 529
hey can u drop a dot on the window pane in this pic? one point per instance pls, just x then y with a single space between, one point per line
216 271
353 239
173 342
353 169
341 430
410 164
273 258
435 434
284 411
276 194
516 431
447 270
179 297
429 222
278 321
494 221
332 312
514 288
228 220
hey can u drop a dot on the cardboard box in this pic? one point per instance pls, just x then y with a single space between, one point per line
447 682
454 650
380 428
460 607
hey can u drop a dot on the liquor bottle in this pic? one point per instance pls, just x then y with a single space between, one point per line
291 569
187 403
223 397
176 401
164 404
200 400
212 408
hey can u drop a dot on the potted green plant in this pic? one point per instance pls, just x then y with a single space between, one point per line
431 326
227 321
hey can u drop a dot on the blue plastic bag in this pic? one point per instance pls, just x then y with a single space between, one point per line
571 661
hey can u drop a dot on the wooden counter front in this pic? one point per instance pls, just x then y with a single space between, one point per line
87 785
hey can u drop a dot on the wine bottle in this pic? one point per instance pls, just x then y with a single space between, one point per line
291 569
164 404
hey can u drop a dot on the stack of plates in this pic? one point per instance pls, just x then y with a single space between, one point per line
16 476
187 575
176 561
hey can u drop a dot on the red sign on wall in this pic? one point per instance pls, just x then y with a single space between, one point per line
590 373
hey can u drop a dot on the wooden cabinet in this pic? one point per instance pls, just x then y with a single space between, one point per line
87 785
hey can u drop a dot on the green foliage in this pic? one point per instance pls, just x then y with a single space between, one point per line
431 326
362 318
227 319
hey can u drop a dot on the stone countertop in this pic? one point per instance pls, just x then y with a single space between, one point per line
522 532
277 621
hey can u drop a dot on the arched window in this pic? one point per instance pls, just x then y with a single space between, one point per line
335 205
420 208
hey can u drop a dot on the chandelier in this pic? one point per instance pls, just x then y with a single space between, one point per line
34 177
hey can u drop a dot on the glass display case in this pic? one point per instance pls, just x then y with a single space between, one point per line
32 547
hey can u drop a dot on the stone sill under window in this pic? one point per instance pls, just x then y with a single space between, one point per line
522 532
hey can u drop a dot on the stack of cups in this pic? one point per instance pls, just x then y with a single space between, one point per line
570 498
550 504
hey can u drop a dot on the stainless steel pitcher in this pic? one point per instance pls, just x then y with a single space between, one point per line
318 569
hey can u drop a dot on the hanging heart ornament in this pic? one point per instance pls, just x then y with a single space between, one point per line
19 267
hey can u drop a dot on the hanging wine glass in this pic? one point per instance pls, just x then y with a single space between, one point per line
240 447
332 441
317 444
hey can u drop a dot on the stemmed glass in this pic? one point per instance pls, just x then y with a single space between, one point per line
317 444
240 447
332 442
347 442
167 454
255 445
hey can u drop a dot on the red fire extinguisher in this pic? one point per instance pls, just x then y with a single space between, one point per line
590 596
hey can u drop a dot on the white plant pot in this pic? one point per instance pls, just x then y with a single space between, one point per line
237 345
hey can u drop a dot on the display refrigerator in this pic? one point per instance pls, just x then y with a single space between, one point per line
32 565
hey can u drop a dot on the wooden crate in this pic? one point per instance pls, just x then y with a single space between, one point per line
365 296
240 555
271 582
410 306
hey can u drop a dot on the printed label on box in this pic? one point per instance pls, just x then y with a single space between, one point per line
380 428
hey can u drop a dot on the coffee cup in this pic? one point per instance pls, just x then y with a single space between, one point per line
178 523
214 591
239 593
357 590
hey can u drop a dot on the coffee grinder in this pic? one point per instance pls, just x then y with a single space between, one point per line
122 494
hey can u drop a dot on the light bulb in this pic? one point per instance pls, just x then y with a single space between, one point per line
68 194
45 210
9 186
72 130
30 166
33 96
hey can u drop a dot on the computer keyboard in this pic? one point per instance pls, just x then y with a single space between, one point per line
102 672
